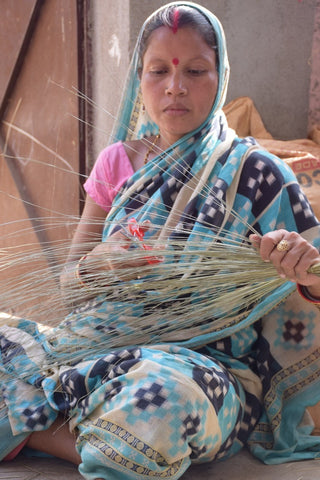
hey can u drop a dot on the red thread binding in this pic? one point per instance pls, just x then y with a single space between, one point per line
138 232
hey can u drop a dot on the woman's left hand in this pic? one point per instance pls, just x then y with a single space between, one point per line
291 255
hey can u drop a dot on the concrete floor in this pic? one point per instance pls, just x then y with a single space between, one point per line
241 467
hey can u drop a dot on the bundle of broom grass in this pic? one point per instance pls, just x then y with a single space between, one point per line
194 290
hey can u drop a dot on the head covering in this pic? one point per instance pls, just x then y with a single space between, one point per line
209 140
132 122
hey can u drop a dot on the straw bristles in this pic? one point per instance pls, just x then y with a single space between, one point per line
209 288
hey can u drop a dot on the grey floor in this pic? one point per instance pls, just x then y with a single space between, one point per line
241 467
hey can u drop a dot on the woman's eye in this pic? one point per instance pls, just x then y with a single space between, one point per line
196 72
159 71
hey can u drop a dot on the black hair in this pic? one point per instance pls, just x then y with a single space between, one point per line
187 17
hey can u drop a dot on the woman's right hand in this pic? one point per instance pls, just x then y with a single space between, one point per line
112 255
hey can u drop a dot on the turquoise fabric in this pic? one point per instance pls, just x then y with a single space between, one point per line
8 441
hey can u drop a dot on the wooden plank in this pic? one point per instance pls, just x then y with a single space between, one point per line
17 22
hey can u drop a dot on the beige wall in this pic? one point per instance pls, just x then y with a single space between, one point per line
269 43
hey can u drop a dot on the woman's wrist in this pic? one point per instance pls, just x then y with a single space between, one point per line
314 293
308 295
75 277
81 274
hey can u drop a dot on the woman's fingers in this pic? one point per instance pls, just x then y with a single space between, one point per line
124 250
290 253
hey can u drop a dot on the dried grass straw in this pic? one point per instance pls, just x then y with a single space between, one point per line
193 291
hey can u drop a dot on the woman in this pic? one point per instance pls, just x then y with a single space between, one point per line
177 180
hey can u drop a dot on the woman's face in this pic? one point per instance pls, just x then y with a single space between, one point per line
179 81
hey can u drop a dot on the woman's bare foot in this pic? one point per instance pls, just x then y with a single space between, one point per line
57 441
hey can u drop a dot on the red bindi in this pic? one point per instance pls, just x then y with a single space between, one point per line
175 21
175 61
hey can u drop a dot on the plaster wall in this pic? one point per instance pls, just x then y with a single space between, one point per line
269 44
110 39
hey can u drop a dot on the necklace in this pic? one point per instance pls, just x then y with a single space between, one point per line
155 141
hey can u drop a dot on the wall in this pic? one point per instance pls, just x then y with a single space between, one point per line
110 30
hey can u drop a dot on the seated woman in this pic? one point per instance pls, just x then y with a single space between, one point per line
117 387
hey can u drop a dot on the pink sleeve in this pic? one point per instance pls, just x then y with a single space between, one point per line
110 171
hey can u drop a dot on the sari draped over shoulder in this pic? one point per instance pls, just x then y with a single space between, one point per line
149 407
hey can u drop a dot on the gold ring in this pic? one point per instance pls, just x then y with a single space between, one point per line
283 246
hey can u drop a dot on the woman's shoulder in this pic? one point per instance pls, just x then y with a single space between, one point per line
113 160
122 153
111 169
112 165
112 152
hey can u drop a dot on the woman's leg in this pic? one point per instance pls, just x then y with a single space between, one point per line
57 440
158 411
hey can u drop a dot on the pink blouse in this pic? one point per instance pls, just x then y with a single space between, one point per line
110 171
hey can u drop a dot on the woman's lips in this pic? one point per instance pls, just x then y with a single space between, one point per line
176 110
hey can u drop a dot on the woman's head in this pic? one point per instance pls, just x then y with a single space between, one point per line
178 70
179 28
